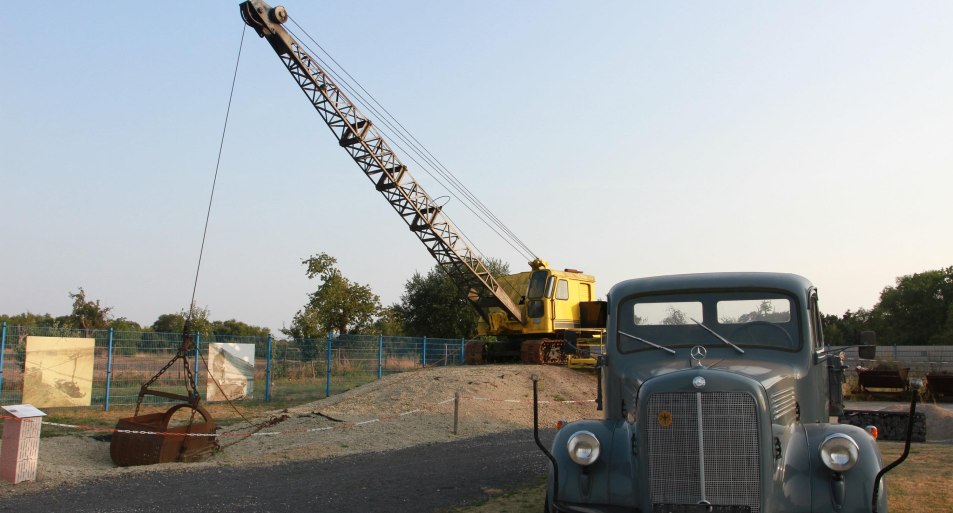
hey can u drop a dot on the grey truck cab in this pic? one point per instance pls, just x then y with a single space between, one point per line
717 394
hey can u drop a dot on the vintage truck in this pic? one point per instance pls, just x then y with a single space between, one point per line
718 393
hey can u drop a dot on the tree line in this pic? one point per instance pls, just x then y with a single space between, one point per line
430 306
90 315
916 310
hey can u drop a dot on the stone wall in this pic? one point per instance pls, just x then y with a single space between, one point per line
892 425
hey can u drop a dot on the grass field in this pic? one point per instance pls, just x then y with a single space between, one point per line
924 482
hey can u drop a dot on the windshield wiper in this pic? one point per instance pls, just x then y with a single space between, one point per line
653 344
723 339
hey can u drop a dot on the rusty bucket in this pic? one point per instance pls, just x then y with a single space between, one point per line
129 449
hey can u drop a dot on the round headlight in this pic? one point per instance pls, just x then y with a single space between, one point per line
839 452
583 448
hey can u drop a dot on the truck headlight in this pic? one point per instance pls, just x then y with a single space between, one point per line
583 448
839 452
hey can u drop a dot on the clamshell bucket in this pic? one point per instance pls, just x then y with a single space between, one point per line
133 442
175 444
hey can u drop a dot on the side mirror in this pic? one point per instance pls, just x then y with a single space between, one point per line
868 347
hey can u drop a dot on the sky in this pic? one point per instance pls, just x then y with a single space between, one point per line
622 138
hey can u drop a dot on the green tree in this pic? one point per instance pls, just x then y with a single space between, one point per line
123 324
389 322
235 328
88 315
224 331
175 322
846 329
337 306
433 306
918 310
28 320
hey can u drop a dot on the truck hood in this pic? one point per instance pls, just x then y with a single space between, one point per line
768 373
778 379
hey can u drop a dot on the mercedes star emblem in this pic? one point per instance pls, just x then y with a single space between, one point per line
699 353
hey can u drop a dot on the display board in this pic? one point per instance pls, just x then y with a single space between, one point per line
231 371
58 371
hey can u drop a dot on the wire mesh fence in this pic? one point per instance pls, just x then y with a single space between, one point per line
295 370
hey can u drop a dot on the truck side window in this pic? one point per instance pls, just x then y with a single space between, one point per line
549 286
562 289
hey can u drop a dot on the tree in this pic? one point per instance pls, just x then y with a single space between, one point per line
675 317
28 320
88 315
123 324
433 306
918 309
337 306
235 328
846 329
175 322
389 322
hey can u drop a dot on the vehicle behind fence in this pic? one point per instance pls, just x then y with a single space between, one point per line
296 370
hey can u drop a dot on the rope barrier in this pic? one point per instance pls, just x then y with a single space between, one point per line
346 425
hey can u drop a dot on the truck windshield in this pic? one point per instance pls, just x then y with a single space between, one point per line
755 319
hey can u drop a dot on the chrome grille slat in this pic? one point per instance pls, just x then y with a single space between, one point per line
729 427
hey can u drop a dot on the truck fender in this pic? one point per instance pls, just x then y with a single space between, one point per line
607 480
850 491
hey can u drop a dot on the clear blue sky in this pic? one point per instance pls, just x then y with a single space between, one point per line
622 138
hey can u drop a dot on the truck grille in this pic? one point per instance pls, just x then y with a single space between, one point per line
725 432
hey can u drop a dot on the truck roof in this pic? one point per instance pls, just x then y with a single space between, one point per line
725 280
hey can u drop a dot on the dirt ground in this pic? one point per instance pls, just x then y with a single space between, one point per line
400 410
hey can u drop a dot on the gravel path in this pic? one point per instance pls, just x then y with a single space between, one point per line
430 477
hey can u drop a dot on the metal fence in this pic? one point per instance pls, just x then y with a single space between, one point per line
283 370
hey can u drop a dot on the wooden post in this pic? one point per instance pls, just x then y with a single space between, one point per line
456 410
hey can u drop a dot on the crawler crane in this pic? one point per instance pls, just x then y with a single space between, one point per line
553 312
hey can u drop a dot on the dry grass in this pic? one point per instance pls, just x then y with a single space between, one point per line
925 478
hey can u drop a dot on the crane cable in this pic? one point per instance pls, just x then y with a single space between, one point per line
425 154
367 106
208 215
218 162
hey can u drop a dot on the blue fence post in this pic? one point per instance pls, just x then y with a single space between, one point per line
424 355
109 369
463 344
380 356
327 387
3 347
195 376
268 372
